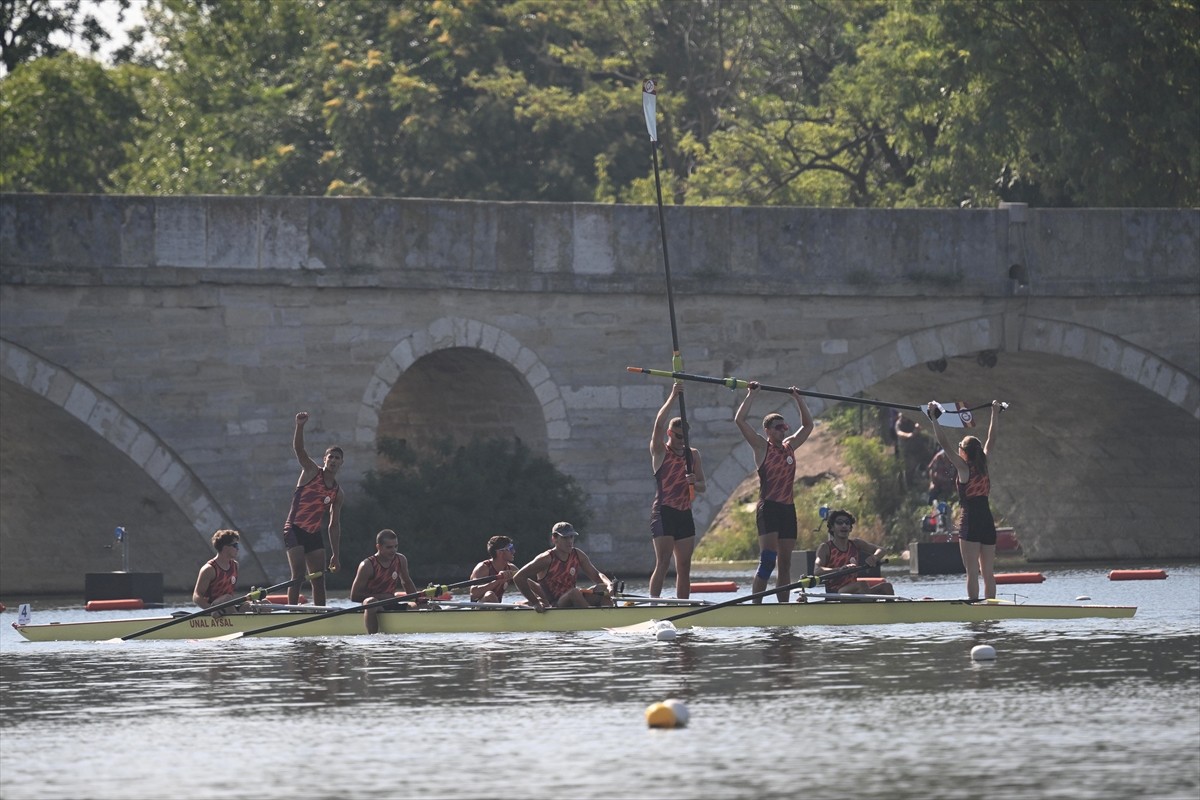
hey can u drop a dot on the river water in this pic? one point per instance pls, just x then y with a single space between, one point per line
1069 709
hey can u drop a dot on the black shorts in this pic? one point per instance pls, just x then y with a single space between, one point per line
777 518
667 521
295 537
976 523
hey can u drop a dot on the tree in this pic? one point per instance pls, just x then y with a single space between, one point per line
446 501
29 29
66 123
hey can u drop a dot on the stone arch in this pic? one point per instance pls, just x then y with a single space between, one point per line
1116 355
102 415
459 332
963 338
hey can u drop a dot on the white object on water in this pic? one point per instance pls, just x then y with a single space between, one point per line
665 632
682 715
983 652
1082 597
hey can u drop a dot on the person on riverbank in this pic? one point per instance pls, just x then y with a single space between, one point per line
498 565
774 456
840 551
317 502
380 575
676 480
941 472
548 581
976 526
218 577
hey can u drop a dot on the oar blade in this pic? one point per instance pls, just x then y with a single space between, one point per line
637 627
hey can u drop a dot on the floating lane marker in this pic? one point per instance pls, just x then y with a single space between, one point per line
1020 577
1137 575
715 586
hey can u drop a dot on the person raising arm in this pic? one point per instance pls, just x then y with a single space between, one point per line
976 525
774 457
676 479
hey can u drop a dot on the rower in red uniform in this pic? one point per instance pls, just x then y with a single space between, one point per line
218 577
672 526
316 501
774 455
380 575
840 551
499 565
549 580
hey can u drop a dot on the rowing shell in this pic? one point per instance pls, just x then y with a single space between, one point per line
472 620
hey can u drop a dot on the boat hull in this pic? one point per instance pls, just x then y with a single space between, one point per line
890 612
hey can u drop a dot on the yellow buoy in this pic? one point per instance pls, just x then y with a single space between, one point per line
660 715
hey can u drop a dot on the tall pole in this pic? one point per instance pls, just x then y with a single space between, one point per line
649 109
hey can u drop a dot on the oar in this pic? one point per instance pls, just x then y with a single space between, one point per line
738 383
253 594
429 591
807 582
649 109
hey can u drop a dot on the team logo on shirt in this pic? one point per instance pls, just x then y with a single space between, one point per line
789 460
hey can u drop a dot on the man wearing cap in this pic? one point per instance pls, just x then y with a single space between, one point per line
549 580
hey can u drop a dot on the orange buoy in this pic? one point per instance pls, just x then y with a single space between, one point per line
282 600
1137 575
124 604
715 586
1020 577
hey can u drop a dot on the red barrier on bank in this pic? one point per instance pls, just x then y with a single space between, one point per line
715 586
1137 575
124 604
1020 577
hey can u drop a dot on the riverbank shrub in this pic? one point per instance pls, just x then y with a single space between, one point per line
446 500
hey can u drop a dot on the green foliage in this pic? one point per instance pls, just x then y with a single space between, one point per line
65 121
736 541
31 29
870 103
446 501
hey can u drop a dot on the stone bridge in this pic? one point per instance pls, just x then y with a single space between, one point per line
153 352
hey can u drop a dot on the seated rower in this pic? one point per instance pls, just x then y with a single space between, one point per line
218 577
548 581
499 565
840 551
381 575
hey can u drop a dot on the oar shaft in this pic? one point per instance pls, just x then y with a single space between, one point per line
738 383
251 595
364 606
808 581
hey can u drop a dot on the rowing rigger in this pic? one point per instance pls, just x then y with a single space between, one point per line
953 412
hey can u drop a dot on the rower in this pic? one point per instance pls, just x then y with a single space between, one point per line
380 575
548 581
840 551
217 579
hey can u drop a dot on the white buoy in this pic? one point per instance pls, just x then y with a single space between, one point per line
680 709
983 652
1082 598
